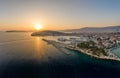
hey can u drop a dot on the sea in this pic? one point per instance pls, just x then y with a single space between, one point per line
25 56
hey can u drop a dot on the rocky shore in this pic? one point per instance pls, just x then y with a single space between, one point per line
95 56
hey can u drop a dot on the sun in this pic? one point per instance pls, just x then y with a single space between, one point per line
38 26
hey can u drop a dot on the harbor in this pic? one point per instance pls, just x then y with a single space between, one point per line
62 47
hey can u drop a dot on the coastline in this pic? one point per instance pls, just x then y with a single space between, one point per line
95 56
61 46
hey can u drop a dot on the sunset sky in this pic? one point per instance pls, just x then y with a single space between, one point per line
58 14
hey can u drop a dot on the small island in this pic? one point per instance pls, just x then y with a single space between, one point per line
17 31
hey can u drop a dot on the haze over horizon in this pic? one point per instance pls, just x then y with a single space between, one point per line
58 15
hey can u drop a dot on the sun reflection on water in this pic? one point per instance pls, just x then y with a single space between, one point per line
40 50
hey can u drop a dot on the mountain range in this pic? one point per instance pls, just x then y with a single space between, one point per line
95 29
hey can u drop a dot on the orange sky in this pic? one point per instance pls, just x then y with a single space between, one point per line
58 14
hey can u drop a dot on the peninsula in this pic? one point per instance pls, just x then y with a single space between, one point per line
98 45
49 33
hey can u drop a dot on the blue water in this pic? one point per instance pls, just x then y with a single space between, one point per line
23 56
117 52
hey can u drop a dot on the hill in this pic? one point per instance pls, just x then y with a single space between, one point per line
48 33
96 29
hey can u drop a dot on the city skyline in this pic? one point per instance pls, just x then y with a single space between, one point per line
58 15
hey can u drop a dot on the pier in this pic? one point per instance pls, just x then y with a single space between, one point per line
58 45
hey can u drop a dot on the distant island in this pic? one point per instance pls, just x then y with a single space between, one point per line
17 31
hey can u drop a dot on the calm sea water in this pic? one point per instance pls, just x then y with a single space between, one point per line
23 56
